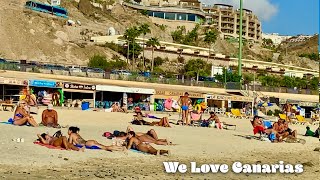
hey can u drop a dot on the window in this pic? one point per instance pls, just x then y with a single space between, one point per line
170 16
159 15
191 17
182 17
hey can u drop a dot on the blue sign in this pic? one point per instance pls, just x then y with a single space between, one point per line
43 83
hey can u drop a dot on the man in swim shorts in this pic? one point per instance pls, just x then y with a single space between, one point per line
184 102
287 108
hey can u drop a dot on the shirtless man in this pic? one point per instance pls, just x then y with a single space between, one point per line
287 109
258 126
50 117
280 128
135 143
184 103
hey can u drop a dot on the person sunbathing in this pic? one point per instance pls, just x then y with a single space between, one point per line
151 137
138 120
76 139
61 142
50 117
135 143
214 118
291 132
258 126
22 117
280 128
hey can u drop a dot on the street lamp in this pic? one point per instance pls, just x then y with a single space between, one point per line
240 42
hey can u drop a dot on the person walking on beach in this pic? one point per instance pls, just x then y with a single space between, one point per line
184 103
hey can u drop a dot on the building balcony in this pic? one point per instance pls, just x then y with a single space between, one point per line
227 28
228 15
227 22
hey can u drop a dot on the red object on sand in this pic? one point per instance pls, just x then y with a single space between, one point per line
137 109
258 129
48 146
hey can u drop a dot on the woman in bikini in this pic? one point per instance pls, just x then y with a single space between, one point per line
21 116
138 120
57 142
149 137
215 118
135 143
76 139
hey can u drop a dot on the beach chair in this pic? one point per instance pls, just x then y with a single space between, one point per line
237 114
300 120
283 116
195 118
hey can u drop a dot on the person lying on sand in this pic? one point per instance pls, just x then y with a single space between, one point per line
149 137
22 117
50 117
138 120
135 143
76 139
61 142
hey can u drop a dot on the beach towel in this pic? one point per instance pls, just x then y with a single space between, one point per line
168 103
137 151
10 121
87 147
152 117
267 124
47 145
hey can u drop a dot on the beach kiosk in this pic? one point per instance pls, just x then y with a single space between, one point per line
166 100
77 93
46 91
129 97
10 91
221 103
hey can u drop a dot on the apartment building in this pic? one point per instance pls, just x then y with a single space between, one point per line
275 37
227 21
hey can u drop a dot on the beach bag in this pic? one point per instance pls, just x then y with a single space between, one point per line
57 134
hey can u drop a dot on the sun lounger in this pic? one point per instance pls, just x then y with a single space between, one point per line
300 120
283 116
237 114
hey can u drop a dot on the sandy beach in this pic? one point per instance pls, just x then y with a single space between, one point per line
202 145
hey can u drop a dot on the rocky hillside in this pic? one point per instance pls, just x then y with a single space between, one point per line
25 34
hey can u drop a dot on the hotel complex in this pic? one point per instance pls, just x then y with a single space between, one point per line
224 17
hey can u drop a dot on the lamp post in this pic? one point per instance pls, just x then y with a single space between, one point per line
240 42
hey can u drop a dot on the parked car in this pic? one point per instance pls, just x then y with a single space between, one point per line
121 72
74 69
3 60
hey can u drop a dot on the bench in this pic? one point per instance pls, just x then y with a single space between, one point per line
4 106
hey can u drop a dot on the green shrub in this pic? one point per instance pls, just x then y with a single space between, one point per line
269 113
277 112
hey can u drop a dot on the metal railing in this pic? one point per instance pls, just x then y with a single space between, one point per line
257 88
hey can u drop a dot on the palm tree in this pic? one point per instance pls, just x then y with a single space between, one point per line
210 38
130 35
144 29
153 42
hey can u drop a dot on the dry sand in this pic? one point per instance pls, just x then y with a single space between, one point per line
203 145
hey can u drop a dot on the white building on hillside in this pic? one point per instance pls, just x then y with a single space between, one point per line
275 37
